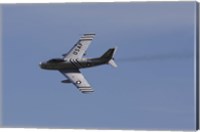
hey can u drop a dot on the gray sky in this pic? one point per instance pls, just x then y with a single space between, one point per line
156 92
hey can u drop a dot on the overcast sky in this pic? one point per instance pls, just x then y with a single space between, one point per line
152 88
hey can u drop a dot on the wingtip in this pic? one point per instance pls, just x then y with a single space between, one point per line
87 92
89 34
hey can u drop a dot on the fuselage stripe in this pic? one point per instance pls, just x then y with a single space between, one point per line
73 63
79 63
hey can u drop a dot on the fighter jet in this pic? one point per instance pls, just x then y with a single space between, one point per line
72 61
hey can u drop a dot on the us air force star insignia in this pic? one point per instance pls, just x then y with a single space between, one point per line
78 82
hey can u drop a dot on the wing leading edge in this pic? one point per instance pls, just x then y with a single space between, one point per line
79 49
77 78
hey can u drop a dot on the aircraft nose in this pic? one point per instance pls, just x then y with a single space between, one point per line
40 64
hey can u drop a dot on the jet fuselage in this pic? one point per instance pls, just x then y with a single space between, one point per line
59 64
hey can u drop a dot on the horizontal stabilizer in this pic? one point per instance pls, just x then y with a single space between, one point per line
112 63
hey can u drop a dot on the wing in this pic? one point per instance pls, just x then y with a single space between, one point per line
80 47
75 76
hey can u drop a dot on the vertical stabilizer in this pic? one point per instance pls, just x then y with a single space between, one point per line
109 55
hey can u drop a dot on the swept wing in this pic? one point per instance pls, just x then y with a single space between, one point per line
79 49
75 76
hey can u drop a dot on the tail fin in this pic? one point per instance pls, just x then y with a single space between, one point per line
109 55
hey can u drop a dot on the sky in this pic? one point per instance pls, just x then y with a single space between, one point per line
153 87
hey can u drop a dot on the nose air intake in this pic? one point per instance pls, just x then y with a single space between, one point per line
40 64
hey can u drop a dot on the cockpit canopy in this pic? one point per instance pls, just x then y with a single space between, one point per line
56 60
